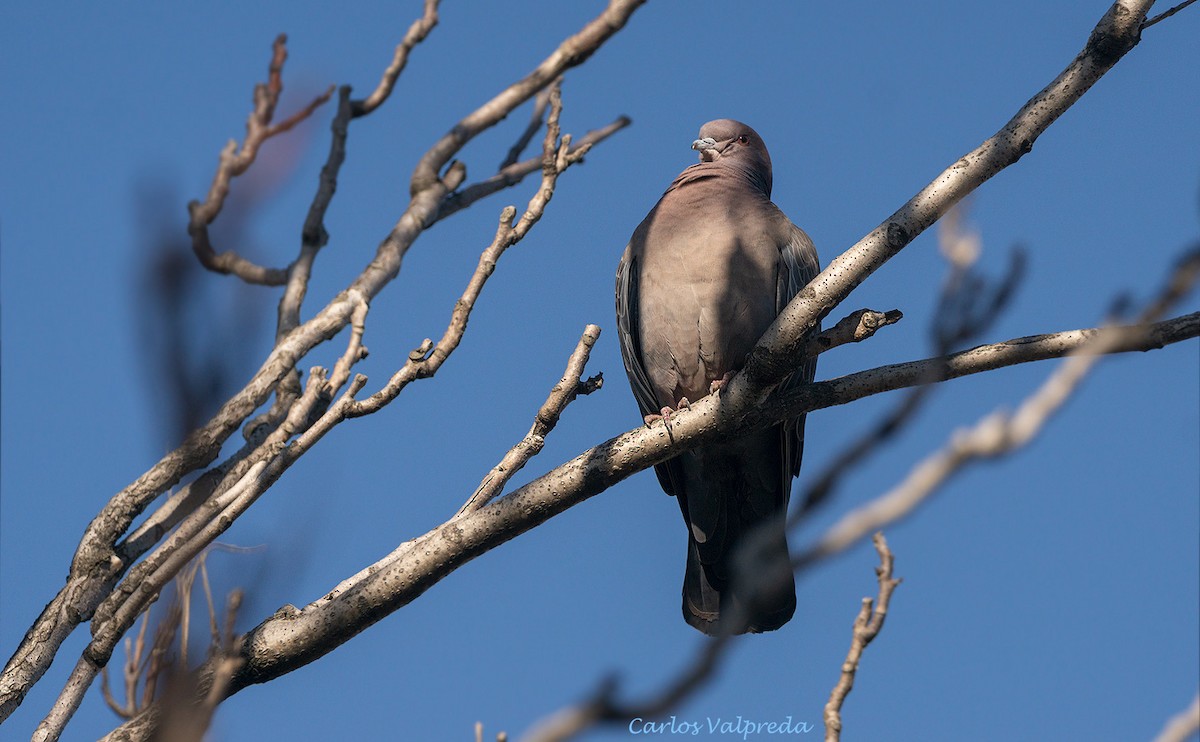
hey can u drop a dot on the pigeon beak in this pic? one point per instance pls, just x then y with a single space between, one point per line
707 148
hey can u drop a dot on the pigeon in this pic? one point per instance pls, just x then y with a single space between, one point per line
704 275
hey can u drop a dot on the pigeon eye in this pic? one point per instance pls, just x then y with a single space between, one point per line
743 139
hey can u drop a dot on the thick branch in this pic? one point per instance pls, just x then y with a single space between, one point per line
295 637
777 352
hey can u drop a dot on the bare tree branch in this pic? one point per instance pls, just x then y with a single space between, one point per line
513 174
778 350
866 627
426 359
1183 725
294 637
116 614
97 565
564 392
1166 14
417 32
234 162
1000 432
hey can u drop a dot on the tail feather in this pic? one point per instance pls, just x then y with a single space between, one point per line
763 599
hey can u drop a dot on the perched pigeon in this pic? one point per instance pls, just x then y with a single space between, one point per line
704 275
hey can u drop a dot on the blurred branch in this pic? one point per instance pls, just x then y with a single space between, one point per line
866 627
500 736
1183 725
957 319
602 706
1000 432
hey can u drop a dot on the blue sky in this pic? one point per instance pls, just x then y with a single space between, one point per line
1051 595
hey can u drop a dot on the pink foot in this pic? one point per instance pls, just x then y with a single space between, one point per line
718 384
665 413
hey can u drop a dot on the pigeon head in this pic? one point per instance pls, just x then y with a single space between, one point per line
732 143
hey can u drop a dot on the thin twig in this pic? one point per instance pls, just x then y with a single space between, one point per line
314 236
515 173
234 162
562 394
427 358
866 627
417 32
1166 14
999 433
540 101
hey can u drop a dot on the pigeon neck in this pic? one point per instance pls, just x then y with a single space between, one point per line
756 178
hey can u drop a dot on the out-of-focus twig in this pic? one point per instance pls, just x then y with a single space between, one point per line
1183 725
1000 432
968 305
540 102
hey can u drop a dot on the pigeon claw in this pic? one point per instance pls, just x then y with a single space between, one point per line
718 384
665 413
